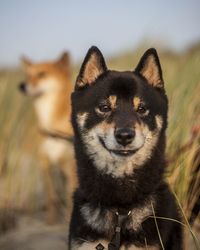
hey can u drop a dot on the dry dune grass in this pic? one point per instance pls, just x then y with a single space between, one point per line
21 186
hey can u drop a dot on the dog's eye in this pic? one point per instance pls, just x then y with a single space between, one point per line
142 110
104 108
41 74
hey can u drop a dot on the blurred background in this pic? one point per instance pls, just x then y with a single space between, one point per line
122 30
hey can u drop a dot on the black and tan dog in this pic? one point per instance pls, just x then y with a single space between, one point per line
119 121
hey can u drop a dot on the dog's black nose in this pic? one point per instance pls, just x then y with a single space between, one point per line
22 87
124 136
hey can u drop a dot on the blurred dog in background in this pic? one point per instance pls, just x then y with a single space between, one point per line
49 84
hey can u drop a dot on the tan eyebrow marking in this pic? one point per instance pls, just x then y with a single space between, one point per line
136 102
112 99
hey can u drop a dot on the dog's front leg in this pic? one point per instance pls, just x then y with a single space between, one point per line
52 199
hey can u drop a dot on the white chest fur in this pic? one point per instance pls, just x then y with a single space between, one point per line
103 220
92 246
45 106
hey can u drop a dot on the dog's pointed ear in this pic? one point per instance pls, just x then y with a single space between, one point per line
149 67
64 59
26 62
93 66
64 63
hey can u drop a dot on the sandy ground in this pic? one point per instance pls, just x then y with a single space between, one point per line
34 234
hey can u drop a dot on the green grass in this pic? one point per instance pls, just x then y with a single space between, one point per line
20 177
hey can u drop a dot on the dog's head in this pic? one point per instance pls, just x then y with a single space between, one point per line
42 78
119 116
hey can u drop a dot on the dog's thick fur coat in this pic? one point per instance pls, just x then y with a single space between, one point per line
119 121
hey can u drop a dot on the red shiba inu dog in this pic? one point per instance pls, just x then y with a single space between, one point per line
49 84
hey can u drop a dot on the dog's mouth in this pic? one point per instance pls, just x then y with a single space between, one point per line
121 152
37 95
124 152
22 87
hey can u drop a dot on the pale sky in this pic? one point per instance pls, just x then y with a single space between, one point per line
42 29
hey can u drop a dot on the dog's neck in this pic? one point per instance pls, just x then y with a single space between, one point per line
53 110
101 188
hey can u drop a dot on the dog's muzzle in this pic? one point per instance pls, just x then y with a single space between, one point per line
123 137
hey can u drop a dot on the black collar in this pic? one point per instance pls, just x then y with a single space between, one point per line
114 244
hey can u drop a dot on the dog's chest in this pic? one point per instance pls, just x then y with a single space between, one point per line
104 221
45 109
